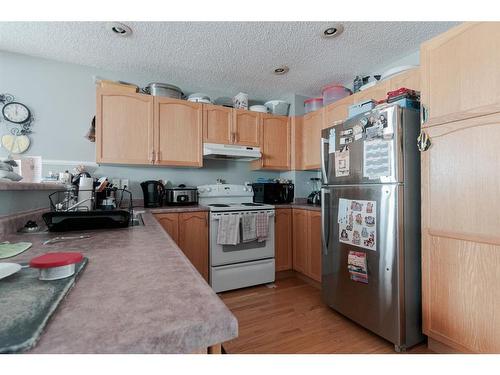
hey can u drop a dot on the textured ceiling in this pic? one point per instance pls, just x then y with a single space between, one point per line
225 56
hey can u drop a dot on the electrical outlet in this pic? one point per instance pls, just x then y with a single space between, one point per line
116 183
124 183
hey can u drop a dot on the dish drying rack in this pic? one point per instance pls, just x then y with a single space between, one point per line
67 200
67 213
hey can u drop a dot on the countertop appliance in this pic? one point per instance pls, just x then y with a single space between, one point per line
371 222
230 152
273 192
154 193
315 196
244 264
181 195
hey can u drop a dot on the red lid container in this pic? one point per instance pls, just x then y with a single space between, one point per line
51 260
312 104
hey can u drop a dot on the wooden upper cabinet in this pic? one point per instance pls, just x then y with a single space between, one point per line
276 153
193 239
247 128
377 92
217 124
283 239
170 223
460 73
311 136
337 111
297 143
124 127
409 79
178 134
314 248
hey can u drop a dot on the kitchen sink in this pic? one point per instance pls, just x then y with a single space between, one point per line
136 220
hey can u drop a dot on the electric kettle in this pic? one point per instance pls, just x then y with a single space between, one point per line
154 193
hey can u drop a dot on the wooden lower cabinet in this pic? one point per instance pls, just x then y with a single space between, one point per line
300 241
314 255
170 222
283 239
193 239
307 243
190 231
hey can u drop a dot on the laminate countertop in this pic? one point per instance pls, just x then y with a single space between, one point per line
138 294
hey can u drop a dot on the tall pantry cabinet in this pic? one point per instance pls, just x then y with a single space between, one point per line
461 189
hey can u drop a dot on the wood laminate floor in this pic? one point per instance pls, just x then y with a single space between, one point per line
291 318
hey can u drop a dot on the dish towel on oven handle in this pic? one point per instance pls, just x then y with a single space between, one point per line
248 227
262 224
228 232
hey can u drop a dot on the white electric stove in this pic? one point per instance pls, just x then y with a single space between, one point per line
244 264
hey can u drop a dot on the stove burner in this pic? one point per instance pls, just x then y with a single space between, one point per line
251 204
218 205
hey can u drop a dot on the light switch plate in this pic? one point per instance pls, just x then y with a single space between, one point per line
124 183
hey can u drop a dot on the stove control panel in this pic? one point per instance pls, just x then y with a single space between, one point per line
225 190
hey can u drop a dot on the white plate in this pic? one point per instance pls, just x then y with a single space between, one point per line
7 269
396 70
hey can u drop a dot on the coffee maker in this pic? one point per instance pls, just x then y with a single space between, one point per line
315 196
154 193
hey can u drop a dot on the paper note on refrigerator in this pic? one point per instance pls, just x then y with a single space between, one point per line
360 227
376 159
356 265
342 160
331 141
343 211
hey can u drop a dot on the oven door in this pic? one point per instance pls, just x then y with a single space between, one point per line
243 252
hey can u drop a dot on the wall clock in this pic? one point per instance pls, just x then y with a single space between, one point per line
19 116
16 113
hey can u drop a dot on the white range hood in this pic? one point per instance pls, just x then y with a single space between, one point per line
230 152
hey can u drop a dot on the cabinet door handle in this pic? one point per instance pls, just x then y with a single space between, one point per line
152 158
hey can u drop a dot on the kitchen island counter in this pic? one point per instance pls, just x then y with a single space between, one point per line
138 294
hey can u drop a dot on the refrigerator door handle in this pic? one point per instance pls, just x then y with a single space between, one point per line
325 222
324 168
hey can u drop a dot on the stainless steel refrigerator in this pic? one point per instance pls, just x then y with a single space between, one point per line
371 222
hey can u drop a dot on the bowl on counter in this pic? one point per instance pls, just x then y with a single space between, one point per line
278 107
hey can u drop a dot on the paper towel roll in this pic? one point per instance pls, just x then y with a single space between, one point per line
85 192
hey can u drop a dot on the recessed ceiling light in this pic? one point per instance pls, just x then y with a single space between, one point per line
281 70
333 31
119 28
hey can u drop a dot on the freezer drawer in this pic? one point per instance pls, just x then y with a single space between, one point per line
385 304
241 275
